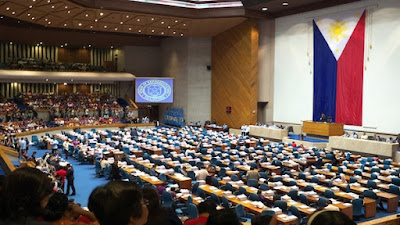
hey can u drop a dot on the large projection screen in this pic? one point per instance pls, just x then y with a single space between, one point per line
154 90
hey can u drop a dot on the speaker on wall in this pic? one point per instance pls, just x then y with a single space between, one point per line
209 67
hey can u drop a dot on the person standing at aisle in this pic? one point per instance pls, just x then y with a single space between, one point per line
70 180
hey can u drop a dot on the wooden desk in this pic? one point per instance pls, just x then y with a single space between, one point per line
322 128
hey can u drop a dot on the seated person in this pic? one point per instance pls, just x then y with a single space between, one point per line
346 134
364 136
355 135
327 217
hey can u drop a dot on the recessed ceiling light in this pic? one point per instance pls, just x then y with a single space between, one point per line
152 19
13 13
162 32
29 14
65 24
33 18
138 20
33 0
8 8
121 22
46 19
152 31
41 42
69 11
37 45
264 9
174 32
169 27
116 29
140 31
285 3
91 26
52 6
30 6
47 79
49 22
79 24
184 24
130 28
72 79
48 1
66 44
105 26
11 43
87 15
66 7
181 35
162 22
95 20
101 14
127 16
90 46
112 46
62 46
65 83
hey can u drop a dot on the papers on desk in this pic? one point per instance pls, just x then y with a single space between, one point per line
242 197
347 204
303 206
258 204
153 178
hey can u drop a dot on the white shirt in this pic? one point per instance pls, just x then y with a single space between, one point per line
201 174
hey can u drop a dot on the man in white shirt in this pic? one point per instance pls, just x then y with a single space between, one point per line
202 174
364 136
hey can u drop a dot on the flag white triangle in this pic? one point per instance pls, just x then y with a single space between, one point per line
338 28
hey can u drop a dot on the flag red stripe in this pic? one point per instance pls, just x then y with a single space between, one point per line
350 73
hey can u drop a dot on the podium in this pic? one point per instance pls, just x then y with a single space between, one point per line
322 128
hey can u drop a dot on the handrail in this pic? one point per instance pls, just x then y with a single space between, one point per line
5 159
133 104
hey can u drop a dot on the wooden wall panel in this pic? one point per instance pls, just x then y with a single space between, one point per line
83 88
73 55
235 75
65 88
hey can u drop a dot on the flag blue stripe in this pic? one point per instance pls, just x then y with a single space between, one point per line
325 76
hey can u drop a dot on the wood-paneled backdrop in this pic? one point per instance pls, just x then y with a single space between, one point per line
234 75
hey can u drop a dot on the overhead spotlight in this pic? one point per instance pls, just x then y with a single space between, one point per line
13 13
46 19
91 26
48 1
105 26
52 6
285 3
79 24
87 15
49 22
101 14
152 19
116 29
127 16
184 24
65 83
112 46
29 14
174 32
162 22
152 31
162 33
181 35
66 7
138 20
68 11
41 42
84 47
37 45
90 46
130 28
11 43
66 44
31 6
176 21
47 79
65 24
33 18
62 46
140 31
169 27
264 9
95 20
121 22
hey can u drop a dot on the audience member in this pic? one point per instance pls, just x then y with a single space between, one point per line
165 216
223 217
261 220
119 203
202 174
70 179
327 217
205 209
24 195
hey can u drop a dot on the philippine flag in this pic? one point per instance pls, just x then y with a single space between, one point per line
339 66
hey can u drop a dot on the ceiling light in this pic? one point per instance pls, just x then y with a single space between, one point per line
62 46
41 42
116 29
285 3
264 9
66 7
105 26
48 1
127 16
66 44
37 45
152 31
1 17
47 79
8 8
91 26
174 32
95 20
140 31
69 11
19 21
87 15
30 6
90 46
112 46
65 83
33 18
181 35
162 32
29 14
13 13
49 22
65 24
162 22
11 43
79 24
33 0
138 20
176 21
169 27
152 19
121 22
84 47
130 28
184 24
72 79
46 19
101 14
52 6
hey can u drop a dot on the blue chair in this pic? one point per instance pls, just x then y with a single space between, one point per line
296 212
35 139
195 187
353 180
357 208
374 176
264 187
234 177
302 176
282 205
167 200
348 188
322 202
292 183
252 183
201 193
303 199
293 194
358 172
375 170
394 189
222 172
276 179
214 182
268 213
396 181
241 191
241 213
263 175
254 197
371 184
229 187
192 211
315 180
215 199
372 195
329 194
192 175
309 188
225 203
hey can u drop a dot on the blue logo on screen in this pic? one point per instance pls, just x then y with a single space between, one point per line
154 90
